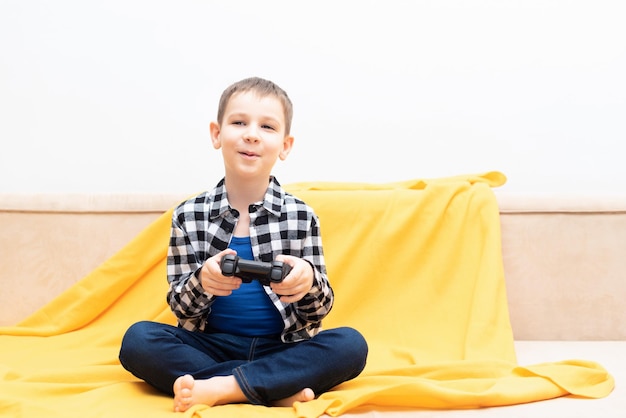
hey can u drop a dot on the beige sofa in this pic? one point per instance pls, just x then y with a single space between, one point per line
564 259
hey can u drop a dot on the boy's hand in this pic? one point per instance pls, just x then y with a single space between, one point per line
213 281
297 283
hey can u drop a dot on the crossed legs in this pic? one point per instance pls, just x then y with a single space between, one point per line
216 369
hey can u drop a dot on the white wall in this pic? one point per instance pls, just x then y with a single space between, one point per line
116 96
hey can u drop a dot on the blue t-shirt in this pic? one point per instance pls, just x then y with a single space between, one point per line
248 311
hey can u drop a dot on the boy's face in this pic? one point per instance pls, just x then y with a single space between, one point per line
251 135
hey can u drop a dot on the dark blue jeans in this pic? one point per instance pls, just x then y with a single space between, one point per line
266 369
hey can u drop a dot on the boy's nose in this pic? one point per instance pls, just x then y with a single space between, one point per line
251 134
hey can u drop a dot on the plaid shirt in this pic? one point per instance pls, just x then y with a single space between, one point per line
281 224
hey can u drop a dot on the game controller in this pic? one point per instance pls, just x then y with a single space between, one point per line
248 270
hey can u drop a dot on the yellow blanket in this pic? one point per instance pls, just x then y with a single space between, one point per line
416 266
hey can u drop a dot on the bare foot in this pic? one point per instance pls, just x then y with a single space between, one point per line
183 389
220 390
304 395
217 390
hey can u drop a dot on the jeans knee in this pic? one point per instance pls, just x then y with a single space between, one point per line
355 339
354 347
134 342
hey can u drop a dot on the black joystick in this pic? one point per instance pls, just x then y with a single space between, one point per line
248 270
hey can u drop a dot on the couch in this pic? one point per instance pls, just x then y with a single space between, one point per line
564 260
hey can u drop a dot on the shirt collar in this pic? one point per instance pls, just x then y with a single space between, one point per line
272 201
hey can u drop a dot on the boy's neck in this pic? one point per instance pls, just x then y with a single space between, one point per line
243 193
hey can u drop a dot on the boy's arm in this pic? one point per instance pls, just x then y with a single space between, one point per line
186 296
318 302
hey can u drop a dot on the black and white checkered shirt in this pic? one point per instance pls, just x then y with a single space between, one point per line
203 226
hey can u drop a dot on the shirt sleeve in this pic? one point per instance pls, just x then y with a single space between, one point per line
317 303
186 296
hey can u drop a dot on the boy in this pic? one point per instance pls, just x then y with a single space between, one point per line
245 342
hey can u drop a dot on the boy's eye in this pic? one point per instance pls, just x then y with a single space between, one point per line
268 127
238 122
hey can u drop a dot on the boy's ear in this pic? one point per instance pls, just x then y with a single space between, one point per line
214 127
287 145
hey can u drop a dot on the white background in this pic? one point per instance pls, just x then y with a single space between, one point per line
117 96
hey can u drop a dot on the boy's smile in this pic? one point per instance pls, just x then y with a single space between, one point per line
248 154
